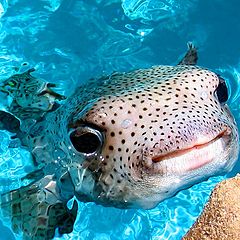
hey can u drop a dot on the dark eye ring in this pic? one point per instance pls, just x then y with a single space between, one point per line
222 91
86 140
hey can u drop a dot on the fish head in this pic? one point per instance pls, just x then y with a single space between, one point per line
29 95
150 133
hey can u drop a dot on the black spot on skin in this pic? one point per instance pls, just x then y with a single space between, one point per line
112 134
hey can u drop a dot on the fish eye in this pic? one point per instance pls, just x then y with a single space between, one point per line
86 140
222 91
12 83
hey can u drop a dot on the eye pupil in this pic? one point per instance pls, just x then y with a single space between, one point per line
85 142
222 91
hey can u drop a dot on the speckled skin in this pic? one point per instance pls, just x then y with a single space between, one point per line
162 129
145 115
31 97
221 216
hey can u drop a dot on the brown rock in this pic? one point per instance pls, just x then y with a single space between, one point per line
220 219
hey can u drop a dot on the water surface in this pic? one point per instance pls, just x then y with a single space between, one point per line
69 41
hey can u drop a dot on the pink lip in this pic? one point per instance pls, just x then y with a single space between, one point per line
196 156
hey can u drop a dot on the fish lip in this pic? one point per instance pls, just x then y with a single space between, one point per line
224 135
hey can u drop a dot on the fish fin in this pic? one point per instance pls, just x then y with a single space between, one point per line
191 56
37 211
9 122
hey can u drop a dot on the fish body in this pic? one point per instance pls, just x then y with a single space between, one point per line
161 129
128 140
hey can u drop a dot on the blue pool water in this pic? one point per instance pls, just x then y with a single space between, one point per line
69 41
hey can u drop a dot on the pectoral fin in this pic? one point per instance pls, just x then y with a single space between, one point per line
9 122
36 210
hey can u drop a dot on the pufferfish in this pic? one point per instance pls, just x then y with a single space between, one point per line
127 140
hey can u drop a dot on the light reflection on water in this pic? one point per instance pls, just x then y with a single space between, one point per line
71 41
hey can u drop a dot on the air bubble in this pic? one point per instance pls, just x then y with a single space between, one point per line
59 154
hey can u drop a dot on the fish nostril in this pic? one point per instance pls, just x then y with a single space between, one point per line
86 140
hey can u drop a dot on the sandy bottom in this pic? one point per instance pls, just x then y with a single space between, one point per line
221 216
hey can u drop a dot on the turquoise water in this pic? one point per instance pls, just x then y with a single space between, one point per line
69 41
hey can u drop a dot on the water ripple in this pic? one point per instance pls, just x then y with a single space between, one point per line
71 41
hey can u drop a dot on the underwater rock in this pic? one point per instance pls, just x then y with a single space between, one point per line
221 216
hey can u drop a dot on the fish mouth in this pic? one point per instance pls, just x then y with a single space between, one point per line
194 157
